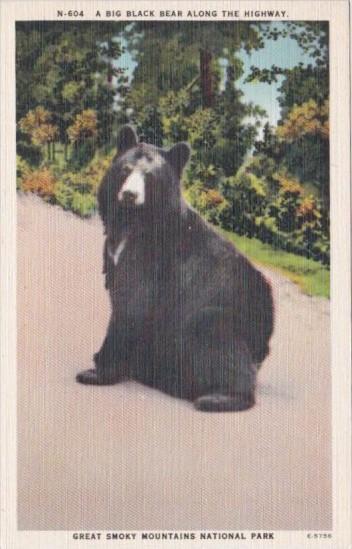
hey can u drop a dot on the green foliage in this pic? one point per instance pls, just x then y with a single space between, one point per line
309 118
235 136
93 173
199 127
83 204
209 202
71 94
74 190
175 109
77 190
299 145
312 277
313 39
69 68
35 130
280 214
218 136
64 195
302 84
174 97
32 153
302 144
37 125
247 194
82 152
83 127
23 170
304 136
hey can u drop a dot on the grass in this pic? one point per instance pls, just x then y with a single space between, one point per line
311 276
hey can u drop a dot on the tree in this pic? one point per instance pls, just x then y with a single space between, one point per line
37 125
193 97
305 144
303 129
237 132
69 67
84 126
305 119
195 48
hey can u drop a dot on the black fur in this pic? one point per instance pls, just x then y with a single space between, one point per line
190 315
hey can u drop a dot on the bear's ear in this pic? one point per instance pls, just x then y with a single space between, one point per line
178 157
127 139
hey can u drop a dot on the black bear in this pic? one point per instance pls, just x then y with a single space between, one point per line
190 315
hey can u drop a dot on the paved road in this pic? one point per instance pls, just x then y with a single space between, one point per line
127 457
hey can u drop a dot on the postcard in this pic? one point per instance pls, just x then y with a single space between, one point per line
175 274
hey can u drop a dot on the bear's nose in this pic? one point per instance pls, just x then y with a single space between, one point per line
129 196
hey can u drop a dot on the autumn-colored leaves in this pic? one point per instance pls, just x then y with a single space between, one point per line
37 124
308 118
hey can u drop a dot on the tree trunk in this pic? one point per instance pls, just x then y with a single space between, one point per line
110 73
109 61
53 151
206 78
48 148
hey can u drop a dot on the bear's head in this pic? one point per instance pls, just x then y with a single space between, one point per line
142 181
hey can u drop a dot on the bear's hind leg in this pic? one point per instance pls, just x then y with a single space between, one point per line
228 377
217 402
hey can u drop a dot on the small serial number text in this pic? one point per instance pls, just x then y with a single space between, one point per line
70 13
319 535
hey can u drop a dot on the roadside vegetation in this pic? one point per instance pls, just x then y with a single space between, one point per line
268 194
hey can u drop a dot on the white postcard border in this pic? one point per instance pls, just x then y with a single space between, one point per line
337 13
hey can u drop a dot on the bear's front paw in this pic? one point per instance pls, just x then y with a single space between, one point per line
217 402
94 377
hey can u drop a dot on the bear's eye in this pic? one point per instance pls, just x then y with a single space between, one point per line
126 170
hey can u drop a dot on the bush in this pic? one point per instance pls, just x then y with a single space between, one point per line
83 204
84 127
77 191
247 195
63 195
40 182
96 169
278 213
23 170
207 174
32 153
274 208
284 208
209 202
